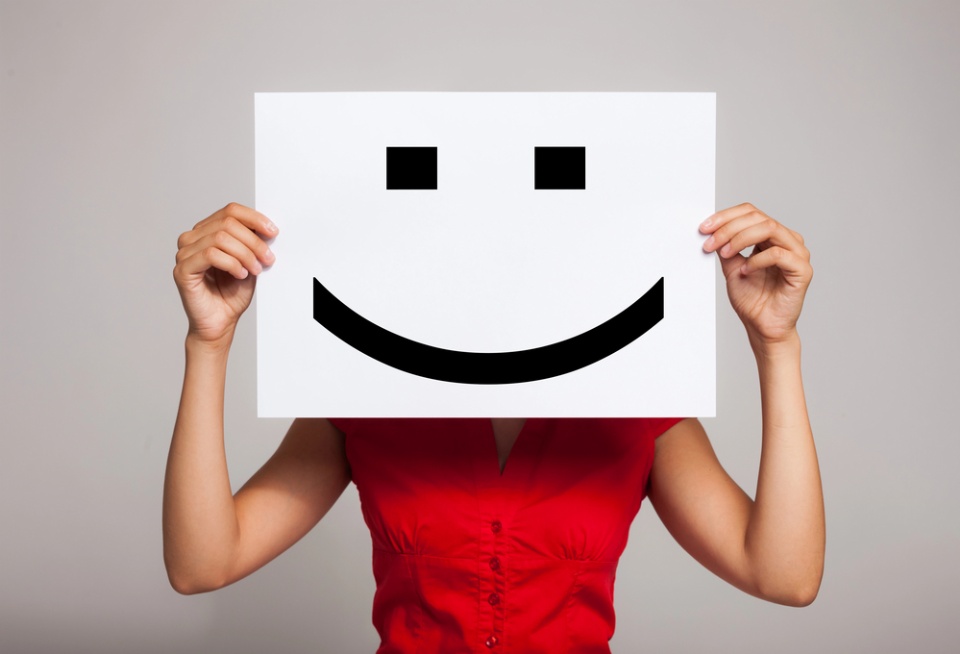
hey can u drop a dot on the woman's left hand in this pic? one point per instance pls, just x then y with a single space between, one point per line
766 288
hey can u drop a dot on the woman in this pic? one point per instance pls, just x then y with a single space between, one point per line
520 559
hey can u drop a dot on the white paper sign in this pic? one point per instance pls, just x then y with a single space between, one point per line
486 254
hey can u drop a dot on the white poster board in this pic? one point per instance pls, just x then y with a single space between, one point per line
486 296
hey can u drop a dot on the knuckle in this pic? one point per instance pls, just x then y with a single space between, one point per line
747 205
183 239
221 238
231 207
245 257
230 223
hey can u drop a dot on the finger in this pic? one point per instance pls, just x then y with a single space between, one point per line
722 235
763 234
721 218
790 263
191 241
250 218
802 249
250 239
732 265
207 258
225 241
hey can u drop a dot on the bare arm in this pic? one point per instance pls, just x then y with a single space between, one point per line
200 523
786 537
210 537
772 547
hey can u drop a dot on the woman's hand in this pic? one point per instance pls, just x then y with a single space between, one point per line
217 264
767 288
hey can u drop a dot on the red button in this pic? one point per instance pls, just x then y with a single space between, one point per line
494 563
491 641
496 526
494 599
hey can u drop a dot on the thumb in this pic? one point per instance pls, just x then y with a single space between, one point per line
732 264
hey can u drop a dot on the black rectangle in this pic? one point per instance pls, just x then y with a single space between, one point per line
560 168
411 168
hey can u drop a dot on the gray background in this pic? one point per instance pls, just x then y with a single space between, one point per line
122 124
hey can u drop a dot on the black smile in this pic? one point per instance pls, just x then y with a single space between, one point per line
488 367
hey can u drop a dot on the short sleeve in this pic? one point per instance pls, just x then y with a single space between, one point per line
344 425
659 426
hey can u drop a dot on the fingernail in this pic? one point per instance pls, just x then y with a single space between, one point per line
257 268
271 226
725 250
268 255
708 244
706 223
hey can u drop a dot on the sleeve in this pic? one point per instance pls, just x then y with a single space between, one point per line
659 426
342 424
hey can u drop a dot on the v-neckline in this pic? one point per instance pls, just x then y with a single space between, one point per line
513 448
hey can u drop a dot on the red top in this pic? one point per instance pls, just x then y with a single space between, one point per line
469 560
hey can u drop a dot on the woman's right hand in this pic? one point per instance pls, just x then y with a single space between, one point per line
217 265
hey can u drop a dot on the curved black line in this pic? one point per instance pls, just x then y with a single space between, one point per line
488 367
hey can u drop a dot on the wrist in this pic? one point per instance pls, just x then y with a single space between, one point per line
765 349
199 345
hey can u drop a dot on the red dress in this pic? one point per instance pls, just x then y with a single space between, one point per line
468 560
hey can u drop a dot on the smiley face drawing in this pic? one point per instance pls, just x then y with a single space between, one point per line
465 254
555 168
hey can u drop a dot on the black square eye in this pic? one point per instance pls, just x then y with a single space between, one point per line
560 168
411 168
